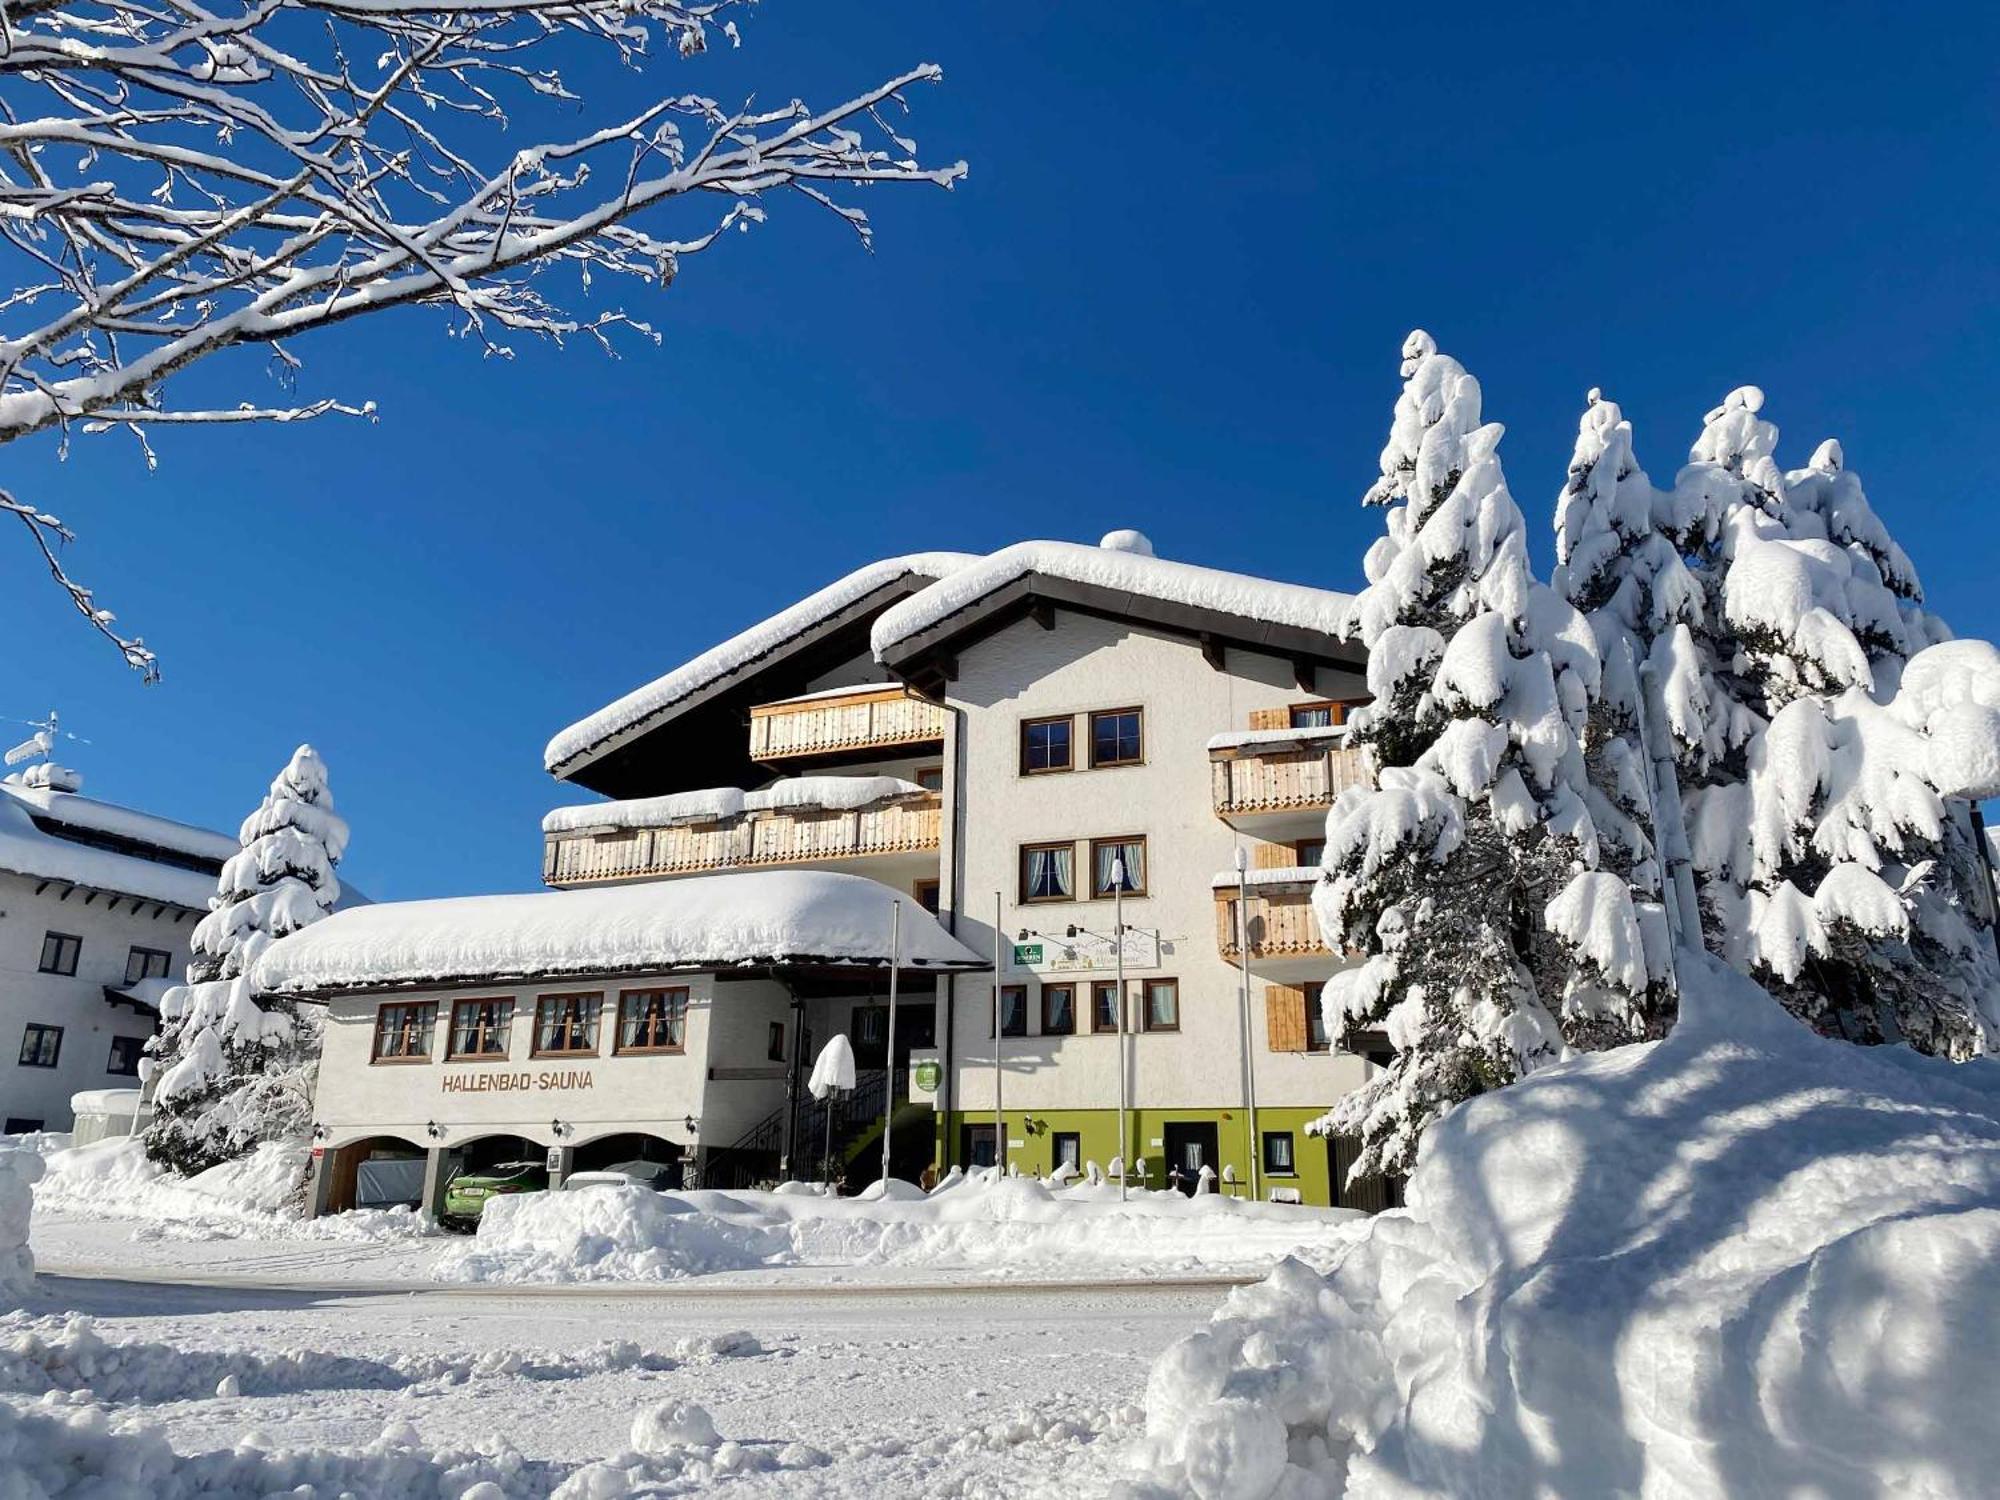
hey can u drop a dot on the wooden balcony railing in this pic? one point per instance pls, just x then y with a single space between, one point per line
834 724
779 836
1283 776
1282 924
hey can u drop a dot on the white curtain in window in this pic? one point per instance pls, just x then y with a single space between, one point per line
1134 856
1050 871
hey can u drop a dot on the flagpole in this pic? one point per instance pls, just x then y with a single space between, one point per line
895 961
1118 938
1249 1033
999 1121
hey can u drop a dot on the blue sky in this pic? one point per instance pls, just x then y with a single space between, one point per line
1170 295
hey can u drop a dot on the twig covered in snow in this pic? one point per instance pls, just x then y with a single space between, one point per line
180 179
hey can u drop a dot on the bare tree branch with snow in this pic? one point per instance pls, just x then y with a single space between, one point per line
179 178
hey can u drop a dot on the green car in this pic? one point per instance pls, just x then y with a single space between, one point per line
466 1194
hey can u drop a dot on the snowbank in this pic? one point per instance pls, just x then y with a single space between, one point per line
1741 1261
259 1195
19 1171
1012 1227
704 921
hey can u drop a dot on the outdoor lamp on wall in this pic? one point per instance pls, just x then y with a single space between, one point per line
434 1130
556 1128
692 1127
319 1131
1070 931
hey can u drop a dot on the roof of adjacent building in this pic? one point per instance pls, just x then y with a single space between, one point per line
747 920
914 604
47 834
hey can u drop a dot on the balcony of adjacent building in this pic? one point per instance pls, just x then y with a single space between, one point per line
878 826
874 721
1278 777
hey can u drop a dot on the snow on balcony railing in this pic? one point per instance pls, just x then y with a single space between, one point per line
869 717
750 831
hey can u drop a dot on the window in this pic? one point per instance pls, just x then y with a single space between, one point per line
567 1024
1105 857
20 1125
1311 853
147 963
1014 1010
774 1049
1068 1150
1278 1153
976 1142
403 1033
1116 738
41 1045
1045 745
1163 1004
930 778
1048 872
871 1025
1314 716
479 1028
125 1054
1058 1009
60 952
926 892
656 1021
1317 1039
1104 1005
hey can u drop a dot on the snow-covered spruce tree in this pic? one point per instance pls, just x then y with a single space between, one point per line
232 1068
1466 874
1835 868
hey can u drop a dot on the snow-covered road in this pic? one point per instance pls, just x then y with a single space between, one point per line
998 1390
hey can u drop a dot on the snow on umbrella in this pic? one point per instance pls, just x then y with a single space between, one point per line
834 1070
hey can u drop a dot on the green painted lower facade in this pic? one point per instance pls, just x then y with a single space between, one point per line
1039 1133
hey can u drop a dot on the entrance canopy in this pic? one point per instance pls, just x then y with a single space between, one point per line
758 919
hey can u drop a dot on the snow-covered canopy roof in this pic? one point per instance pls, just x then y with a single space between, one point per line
1120 575
716 803
52 835
752 919
689 683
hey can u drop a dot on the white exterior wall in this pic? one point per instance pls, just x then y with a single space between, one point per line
76 1004
1086 663
650 1093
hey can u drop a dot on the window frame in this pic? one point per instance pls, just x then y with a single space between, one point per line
35 1031
535 1047
922 773
1097 985
1068 721
1336 713
1020 990
375 1052
1050 989
774 1043
677 1005
50 935
1138 758
1146 984
1145 854
1021 862
1314 990
1299 853
166 964
505 1029
1291 1165
1056 1139
937 894
138 1045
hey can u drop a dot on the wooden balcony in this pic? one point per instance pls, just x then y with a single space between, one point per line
751 840
1282 924
1303 772
834 725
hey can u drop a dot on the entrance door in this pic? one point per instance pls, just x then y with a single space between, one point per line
976 1143
1189 1148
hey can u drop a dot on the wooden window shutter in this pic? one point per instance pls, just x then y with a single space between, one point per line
1285 1017
1270 718
1273 857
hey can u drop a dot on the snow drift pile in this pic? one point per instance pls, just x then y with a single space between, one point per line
19 1171
1741 1261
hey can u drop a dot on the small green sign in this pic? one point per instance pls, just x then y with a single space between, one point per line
927 1075
1027 955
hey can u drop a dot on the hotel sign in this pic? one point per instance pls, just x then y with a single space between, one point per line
1087 952
524 1081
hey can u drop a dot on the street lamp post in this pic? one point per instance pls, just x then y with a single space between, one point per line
1249 1040
1118 939
889 1088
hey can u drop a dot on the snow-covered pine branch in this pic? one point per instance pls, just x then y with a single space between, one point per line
231 1068
1466 874
181 179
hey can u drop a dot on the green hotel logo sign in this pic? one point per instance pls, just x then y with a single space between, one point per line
1027 955
927 1075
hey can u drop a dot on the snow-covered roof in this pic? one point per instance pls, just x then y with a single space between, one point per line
681 687
715 803
26 849
1124 565
748 919
1238 739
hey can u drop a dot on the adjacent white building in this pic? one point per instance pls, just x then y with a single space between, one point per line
97 903
987 740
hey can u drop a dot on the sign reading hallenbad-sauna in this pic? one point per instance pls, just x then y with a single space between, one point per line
521 1081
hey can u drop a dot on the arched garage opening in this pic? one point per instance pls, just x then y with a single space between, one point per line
484 1153
629 1147
382 1171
